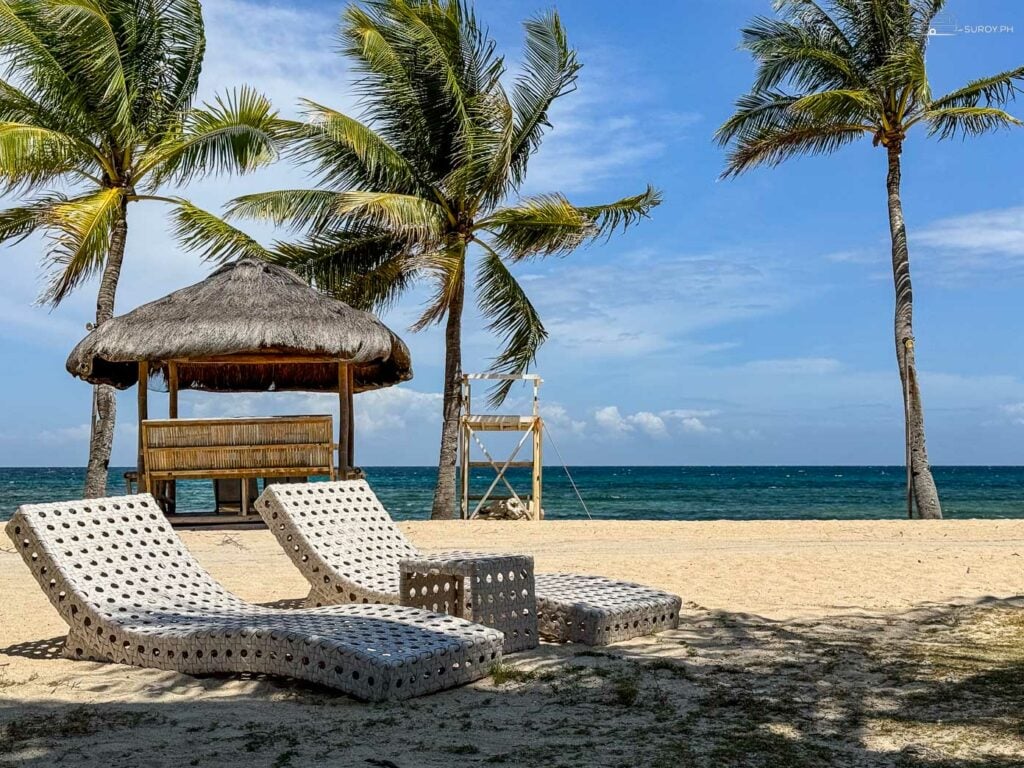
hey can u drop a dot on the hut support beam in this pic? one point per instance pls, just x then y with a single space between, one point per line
172 390
171 487
351 417
143 415
344 420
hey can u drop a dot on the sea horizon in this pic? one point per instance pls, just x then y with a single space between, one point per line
636 492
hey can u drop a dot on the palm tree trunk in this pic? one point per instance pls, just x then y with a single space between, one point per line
444 493
921 488
104 399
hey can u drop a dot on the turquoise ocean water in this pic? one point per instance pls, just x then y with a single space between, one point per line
638 493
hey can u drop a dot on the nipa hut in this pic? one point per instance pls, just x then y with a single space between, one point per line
250 326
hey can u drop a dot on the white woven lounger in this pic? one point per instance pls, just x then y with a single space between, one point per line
349 549
132 593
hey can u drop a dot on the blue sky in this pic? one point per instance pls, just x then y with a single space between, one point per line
749 322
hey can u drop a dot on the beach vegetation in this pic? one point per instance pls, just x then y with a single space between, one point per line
834 72
423 187
502 673
97 113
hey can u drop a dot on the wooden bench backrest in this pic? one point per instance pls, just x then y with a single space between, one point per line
238 447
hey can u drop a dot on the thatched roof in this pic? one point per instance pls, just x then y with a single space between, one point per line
250 326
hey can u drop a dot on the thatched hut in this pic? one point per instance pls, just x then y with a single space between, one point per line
249 327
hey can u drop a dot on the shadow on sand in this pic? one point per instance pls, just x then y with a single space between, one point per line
936 687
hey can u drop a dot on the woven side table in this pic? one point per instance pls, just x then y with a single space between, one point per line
495 590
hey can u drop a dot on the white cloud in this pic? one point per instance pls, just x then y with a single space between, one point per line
857 256
649 302
79 433
1015 412
692 420
986 233
649 423
604 129
656 425
610 419
962 247
379 412
558 418
796 366
395 409
286 52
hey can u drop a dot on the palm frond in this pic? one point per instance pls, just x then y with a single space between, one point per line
238 133
367 269
550 225
810 14
550 71
788 52
622 213
544 225
31 155
404 216
18 223
345 153
773 145
408 54
447 269
436 34
483 166
16 106
95 57
902 69
924 12
213 238
756 111
846 106
394 99
183 46
27 50
512 317
311 209
967 121
79 230
993 91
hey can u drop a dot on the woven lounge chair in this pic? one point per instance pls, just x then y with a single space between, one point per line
132 593
347 546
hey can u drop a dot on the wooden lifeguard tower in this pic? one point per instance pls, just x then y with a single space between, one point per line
472 425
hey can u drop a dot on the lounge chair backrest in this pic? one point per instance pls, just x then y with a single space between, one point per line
341 532
116 559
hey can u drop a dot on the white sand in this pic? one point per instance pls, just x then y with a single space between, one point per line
808 576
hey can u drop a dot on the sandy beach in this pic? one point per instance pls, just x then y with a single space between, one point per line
801 644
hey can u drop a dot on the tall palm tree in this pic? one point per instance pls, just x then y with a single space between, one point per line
96 113
833 72
410 192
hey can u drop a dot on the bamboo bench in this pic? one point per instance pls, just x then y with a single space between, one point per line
236 449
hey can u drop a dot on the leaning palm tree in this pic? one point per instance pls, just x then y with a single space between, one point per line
830 74
96 113
411 191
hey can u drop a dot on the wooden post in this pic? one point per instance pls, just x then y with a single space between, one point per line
538 452
172 390
464 437
143 415
171 486
344 419
351 416
244 503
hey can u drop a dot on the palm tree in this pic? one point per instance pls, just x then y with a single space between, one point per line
410 192
96 113
831 73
